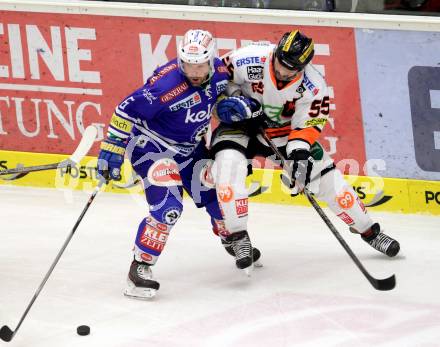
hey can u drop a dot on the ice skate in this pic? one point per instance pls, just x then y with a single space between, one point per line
242 248
140 283
256 254
380 241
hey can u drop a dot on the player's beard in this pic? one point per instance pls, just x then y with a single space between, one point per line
197 81
282 78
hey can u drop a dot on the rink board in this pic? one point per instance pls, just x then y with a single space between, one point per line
58 73
377 193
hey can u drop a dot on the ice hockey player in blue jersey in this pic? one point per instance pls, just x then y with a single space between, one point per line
160 127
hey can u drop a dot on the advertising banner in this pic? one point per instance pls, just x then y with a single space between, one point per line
264 186
399 76
62 72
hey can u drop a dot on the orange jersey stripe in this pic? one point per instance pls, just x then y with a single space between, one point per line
308 134
277 132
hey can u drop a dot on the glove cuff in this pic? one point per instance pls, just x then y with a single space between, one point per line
299 154
113 147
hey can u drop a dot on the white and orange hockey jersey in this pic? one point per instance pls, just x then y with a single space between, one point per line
297 110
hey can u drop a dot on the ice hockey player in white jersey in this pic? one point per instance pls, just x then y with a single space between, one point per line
280 80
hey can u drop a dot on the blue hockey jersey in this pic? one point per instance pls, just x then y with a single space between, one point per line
169 110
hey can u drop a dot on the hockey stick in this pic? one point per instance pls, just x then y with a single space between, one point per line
379 284
84 146
6 334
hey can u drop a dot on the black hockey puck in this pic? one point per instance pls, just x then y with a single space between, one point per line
83 330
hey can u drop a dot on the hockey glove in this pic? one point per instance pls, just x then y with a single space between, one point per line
238 109
110 159
300 164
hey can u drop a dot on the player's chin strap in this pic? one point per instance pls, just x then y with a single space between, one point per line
379 284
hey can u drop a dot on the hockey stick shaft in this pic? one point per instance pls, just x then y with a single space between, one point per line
27 169
6 334
81 150
380 284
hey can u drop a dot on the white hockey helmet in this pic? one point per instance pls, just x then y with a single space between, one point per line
197 47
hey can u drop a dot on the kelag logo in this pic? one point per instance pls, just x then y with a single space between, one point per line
424 94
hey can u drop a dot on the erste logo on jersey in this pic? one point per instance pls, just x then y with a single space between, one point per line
255 73
188 102
199 116
310 85
247 61
220 87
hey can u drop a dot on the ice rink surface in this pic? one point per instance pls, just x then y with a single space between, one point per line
309 292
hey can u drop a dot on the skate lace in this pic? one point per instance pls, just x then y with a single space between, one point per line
381 242
242 248
144 272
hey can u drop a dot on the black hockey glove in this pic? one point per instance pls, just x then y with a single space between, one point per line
300 164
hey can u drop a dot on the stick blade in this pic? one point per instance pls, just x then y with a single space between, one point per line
88 138
384 284
6 333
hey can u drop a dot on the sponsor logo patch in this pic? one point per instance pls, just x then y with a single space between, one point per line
164 172
121 124
346 218
310 85
146 257
345 200
300 89
247 61
175 92
241 206
199 116
255 72
162 73
153 238
171 215
316 122
148 95
225 193
188 102
221 86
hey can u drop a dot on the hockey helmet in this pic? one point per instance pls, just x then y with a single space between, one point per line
295 50
197 47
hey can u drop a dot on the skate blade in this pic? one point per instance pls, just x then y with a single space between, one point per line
258 264
139 293
248 271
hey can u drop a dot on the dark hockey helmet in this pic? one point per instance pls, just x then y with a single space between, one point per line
295 50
